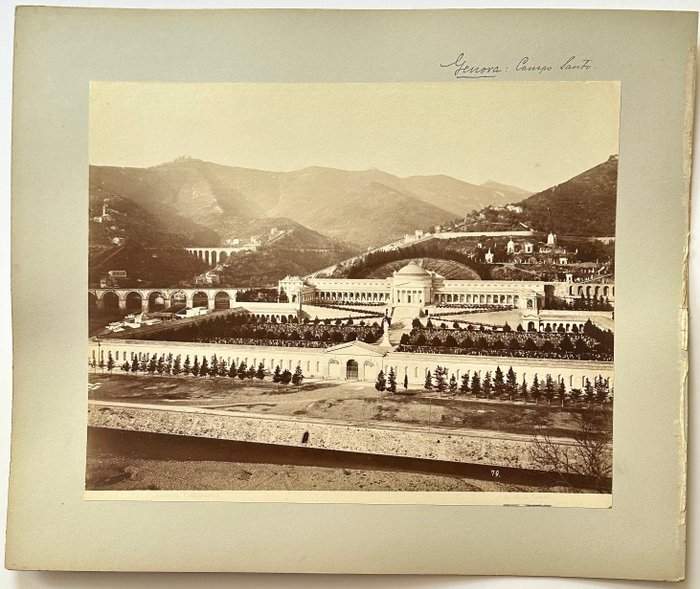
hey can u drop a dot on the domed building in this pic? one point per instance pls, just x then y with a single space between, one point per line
412 286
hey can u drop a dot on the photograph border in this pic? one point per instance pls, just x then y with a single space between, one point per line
543 498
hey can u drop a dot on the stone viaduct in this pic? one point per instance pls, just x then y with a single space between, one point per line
156 299
218 255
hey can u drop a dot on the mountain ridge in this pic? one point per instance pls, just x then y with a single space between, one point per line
313 217
317 197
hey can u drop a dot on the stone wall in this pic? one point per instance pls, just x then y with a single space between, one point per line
320 362
489 448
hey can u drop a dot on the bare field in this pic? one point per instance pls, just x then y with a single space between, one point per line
120 460
117 473
352 402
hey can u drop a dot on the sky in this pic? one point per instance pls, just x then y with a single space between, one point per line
527 134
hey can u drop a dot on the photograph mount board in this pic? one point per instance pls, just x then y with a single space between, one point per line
650 55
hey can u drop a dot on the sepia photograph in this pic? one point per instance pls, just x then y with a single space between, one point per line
386 287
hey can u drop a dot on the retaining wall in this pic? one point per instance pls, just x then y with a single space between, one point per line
490 448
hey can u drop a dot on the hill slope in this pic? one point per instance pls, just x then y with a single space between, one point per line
460 197
584 205
150 253
290 249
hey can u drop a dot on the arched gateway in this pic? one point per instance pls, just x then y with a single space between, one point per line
352 370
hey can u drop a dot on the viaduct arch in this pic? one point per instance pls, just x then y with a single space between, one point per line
213 256
157 299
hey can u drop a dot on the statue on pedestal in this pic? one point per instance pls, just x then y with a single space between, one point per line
386 323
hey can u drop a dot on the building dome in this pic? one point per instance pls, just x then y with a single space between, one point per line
413 270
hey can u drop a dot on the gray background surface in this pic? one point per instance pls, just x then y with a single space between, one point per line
71 580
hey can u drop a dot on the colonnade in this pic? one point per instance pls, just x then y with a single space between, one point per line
352 296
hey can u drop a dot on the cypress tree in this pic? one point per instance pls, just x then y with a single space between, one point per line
453 384
440 379
535 391
476 384
601 389
575 395
524 391
498 382
380 383
486 386
286 377
549 389
588 390
562 392
298 376
428 386
464 387
204 368
511 383
391 381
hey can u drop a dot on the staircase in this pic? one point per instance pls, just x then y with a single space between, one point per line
401 322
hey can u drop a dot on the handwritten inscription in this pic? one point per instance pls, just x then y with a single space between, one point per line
525 66
573 64
464 68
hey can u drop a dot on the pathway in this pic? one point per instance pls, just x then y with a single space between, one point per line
401 322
